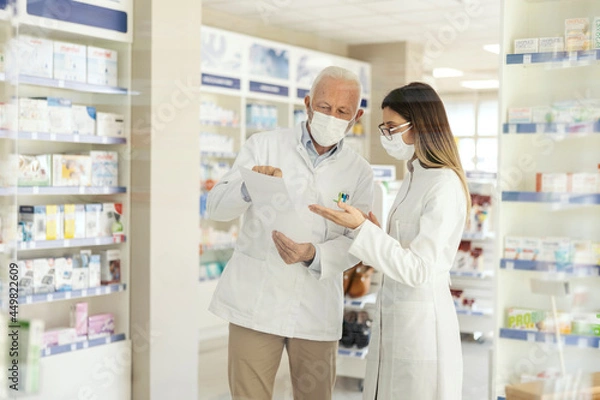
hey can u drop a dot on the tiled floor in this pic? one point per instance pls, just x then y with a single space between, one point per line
213 374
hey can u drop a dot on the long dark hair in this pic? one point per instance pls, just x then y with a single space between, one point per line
435 146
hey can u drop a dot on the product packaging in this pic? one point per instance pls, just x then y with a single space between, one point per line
79 318
63 273
538 320
523 46
596 33
552 182
33 115
70 62
71 170
31 334
105 168
94 271
69 217
110 261
551 44
542 114
111 224
587 324
33 220
35 56
100 325
582 252
59 336
577 34
59 117
584 182
80 221
101 66
556 249
25 277
531 247
54 222
519 115
80 274
84 120
513 247
93 220
35 170
109 124
43 275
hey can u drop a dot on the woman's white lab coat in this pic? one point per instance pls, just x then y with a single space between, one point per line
415 350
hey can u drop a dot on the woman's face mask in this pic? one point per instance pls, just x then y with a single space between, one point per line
396 147
328 130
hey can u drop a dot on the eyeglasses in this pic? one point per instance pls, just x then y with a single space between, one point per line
388 132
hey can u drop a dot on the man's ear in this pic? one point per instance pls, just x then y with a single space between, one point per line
307 104
359 114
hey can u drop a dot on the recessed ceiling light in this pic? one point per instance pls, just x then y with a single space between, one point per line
446 73
492 48
481 84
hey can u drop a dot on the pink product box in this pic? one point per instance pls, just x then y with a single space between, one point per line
60 336
101 325
79 318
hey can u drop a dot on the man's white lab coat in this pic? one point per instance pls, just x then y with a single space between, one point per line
257 289
415 350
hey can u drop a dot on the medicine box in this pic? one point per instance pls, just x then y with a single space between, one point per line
69 224
35 217
551 44
43 278
70 62
519 115
584 182
79 318
84 120
63 273
80 278
112 221
59 336
54 222
109 124
513 247
94 271
93 220
110 266
542 114
105 168
556 249
71 170
33 115
58 114
552 182
35 56
101 325
35 170
101 66
531 247
596 33
530 45
25 277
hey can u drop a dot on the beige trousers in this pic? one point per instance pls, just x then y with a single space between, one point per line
254 358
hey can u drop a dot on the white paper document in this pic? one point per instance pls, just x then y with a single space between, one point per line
274 207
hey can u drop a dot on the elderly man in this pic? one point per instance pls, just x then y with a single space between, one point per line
277 293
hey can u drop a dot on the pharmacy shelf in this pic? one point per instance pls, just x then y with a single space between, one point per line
353 352
67 190
70 85
573 58
474 313
63 137
558 198
73 294
478 236
66 243
501 398
591 128
219 124
67 348
361 302
215 247
546 266
472 274
218 154
592 342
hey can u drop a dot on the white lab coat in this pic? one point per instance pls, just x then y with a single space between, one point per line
257 289
415 349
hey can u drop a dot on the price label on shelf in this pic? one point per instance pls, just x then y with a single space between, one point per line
76 138
104 139
510 265
81 189
86 344
53 137
36 190
106 190
526 58
106 289
512 128
97 241
582 342
61 83
34 135
98 291
50 297
561 128
47 351
84 292
28 299
573 56
564 198
73 347
540 128
66 243
32 245
67 295
108 339
530 336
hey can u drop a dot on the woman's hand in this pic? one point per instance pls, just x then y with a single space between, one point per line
349 217
371 217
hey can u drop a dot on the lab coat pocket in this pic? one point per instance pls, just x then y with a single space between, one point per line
414 331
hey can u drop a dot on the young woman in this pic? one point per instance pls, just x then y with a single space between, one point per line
415 350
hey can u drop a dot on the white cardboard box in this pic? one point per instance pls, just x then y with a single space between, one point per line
520 115
102 66
530 45
33 115
71 170
70 61
93 220
110 262
94 271
109 124
551 44
35 56
105 168
112 224
63 273
84 120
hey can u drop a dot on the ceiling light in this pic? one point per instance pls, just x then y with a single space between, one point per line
481 84
446 73
492 48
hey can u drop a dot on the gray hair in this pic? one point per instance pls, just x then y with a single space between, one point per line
337 73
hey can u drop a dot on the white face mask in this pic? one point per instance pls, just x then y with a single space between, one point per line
328 130
397 148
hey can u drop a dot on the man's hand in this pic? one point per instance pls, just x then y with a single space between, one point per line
268 170
349 217
292 252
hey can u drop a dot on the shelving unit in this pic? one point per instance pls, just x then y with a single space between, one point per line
560 146
78 361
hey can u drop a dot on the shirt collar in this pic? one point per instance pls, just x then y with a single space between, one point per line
308 143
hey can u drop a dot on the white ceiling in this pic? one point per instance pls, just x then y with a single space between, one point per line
368 21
